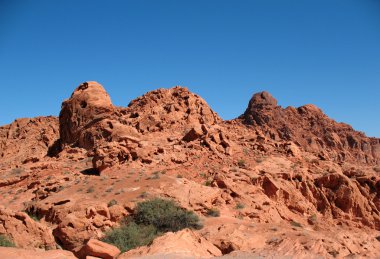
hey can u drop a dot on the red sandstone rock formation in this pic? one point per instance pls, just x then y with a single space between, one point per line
285 181
24 231
115 135
27 140
312 130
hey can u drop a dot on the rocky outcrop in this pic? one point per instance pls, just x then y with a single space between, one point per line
170 109
334 195
79 115
311 129
274 182
27 140
115 135
24 231
77 227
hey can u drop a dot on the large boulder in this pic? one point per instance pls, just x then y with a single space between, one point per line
99 249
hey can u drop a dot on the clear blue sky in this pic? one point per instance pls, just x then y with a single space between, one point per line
325 52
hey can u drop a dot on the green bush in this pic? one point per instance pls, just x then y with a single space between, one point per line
6 242
131 235
151 219
165 215
239 206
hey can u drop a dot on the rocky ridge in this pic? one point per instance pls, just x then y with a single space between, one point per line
308 127
285 177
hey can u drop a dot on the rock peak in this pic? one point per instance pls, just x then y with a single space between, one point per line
262 99
89 100
259 102
91 93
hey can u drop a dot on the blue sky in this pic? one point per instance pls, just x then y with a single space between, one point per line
325 52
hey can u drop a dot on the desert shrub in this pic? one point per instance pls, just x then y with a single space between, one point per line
241 163
155 175
6 242
131 235
165 215
33 215
111 203
239 206
213 212
234 170
312 219
208 183
259 160
295 224
151 219
31 210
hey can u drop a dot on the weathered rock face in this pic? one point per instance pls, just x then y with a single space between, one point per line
162 109
114 135
88 104
27 140
77 227
274 176
311 129
24 231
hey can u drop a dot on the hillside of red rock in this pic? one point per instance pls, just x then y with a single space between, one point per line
310 128
286 182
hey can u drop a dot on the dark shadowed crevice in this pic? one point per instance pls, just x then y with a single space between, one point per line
55 149
90 171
